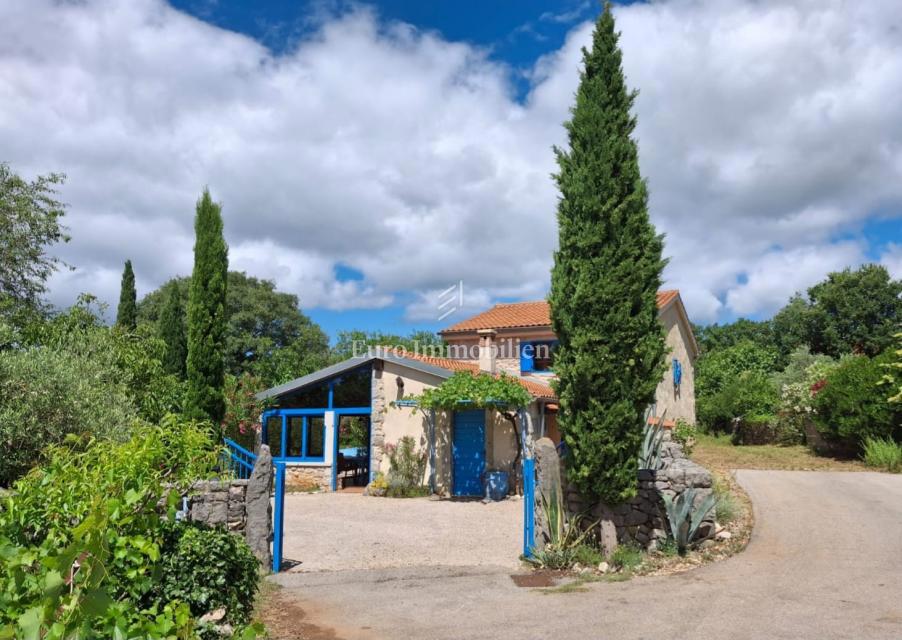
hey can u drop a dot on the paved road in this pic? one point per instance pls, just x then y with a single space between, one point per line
825 561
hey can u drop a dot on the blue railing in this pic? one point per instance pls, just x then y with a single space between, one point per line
238 460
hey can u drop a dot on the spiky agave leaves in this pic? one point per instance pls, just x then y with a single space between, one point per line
652 442
685 518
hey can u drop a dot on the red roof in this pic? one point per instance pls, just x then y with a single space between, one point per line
528 314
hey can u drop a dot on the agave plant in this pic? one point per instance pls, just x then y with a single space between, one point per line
650 454
565 535
684 517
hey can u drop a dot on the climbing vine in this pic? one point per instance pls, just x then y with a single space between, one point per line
481 391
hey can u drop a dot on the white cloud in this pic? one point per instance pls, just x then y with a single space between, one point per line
892 260
764 130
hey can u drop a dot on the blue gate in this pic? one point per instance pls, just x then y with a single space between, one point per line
468 450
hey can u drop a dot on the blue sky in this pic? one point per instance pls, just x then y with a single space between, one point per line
369 156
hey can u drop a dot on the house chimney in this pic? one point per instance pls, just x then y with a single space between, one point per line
487 351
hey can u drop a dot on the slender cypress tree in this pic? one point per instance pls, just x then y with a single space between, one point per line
172 331
207 315
127 313
607 271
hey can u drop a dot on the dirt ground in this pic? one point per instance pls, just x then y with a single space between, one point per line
342 532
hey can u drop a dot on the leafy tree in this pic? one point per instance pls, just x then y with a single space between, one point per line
29 223
713 337
354 342
852 406
791 327
606 274
207 315
266 333
892 377
715 370
855 311
127 312
172 331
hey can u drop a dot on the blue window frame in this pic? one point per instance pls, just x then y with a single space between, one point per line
537 356
296 435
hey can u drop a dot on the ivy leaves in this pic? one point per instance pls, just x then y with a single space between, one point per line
480 391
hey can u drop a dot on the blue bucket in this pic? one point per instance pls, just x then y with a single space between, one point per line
496 485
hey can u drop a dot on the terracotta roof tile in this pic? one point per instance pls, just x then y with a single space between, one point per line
527 314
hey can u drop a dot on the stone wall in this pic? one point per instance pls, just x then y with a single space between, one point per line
644 519
242 506
305 478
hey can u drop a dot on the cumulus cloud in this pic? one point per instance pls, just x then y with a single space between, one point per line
765 131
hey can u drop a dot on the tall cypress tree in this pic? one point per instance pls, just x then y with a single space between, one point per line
172 331
607 271
207 315
127 313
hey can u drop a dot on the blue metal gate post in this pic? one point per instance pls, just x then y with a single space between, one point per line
278 518
529 506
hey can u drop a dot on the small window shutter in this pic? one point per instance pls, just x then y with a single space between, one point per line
526 356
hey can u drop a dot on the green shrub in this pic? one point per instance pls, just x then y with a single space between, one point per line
626 557
588 555
751 393
883 453
207 569
685 434
97 502
796 406
566 535
851 406
407 464
755 429
726 507
47 394
685 517
719 369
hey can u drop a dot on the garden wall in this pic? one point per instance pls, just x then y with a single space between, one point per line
242 506
643 519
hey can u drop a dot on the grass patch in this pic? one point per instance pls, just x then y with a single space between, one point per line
626 557
880 453
717 452
727 507
587 555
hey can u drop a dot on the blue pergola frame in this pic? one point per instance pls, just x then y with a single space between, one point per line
338 412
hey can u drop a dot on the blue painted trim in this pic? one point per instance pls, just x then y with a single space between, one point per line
283 440
238 460
331 393
278 518
529 506
335 420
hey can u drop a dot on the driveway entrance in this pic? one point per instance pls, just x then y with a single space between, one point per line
346 531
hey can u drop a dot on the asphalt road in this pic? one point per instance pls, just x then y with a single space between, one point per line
825 561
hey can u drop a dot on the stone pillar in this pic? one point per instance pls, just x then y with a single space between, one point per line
377 417
548 484
258 530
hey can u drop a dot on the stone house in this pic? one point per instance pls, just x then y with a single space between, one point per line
332 427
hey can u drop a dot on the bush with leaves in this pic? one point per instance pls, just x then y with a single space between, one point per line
407 464
796 406
685 434
751 393
82 537
851 406
47 394
241 421
207 569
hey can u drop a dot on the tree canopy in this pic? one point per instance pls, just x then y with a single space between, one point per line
127 312
29 225
266 333
207 315
606 274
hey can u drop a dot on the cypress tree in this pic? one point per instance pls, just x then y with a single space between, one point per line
127 312
207 315
172 331
606 274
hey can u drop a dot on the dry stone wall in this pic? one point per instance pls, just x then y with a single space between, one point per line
643 519
242 506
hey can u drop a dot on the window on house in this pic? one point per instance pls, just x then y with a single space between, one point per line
305 437
537 356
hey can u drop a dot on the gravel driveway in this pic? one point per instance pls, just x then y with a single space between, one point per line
825 561
344 531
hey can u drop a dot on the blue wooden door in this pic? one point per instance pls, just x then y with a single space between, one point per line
468 450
